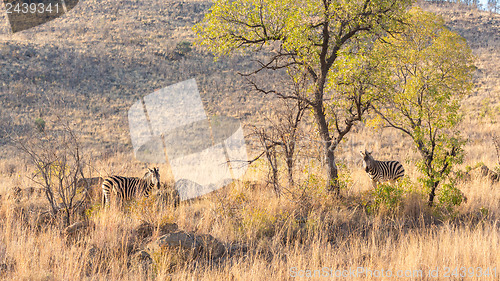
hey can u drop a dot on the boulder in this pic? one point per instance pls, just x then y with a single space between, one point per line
167 228
190 244
15 194
146 229
492 175
75 229
144 258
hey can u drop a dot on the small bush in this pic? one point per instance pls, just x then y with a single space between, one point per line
40 125
388 196
183 48
450 197
344 177
257 223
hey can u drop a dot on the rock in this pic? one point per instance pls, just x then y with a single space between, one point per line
211 246
235 249
3 268
184 240
486 172
9 265
190 243
144 256
167 228
145 229
15 193
144 259
93 258
76 228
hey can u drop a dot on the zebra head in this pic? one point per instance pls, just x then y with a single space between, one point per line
153 177
367 159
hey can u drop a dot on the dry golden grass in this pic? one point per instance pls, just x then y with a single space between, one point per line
281 235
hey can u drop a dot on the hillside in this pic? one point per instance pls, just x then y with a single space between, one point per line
91 65
95 61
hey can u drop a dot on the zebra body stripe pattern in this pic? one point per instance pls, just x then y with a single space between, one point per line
125 188
381 171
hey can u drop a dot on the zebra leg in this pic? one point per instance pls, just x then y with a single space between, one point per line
104 198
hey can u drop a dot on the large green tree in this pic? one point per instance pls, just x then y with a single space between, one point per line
428 71
308 36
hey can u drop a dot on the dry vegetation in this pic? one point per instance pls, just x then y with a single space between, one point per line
93 64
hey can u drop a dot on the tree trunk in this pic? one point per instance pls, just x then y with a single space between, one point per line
66 218
289 163
331 167
271 156
50 198
332 172
432 194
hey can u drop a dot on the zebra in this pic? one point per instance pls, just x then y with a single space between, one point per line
381 171
125 188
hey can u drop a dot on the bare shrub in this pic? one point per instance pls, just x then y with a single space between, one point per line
496 142
280 138
58 162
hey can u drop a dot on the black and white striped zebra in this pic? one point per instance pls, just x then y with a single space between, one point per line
124 188
381 171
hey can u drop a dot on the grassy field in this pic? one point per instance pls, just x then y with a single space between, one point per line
91 65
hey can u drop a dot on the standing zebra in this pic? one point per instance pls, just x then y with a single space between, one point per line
125 188
381 171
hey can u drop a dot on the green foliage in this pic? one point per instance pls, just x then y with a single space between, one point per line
250 24
313 40
314 185
450 196
52 172
426 73
484 211
40 125
469 168
258 222
94 211
344 177
496 170
388 196
183 48
390 199
488 112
